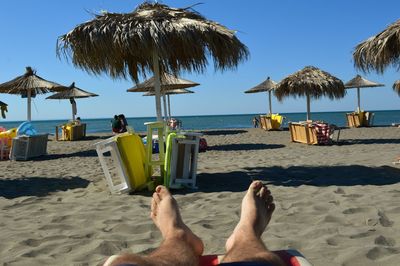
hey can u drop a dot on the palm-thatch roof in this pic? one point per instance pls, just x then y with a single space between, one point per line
379 51
170 92
266 85
123 45
310 81
3 104
396 86
168 82
29 81
360 82
72 92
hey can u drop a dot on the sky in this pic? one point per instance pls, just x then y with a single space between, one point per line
283 36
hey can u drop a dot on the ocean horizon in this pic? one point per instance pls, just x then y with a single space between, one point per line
202 122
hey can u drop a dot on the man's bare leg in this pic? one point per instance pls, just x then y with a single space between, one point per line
245 243
180 245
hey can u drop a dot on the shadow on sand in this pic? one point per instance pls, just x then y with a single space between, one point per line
87 153
223 132
245 147
295 176
368 141
38 186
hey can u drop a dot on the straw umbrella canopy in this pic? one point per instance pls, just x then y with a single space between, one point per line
396 86
267 85
3 108
168 93
72 92
153 38
360 82
312 83
168 82
28 85
379 51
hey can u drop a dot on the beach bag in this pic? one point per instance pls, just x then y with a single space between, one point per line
203 145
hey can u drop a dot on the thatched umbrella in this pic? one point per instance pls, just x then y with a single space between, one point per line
312 83
28 85
153 38
268 85
360 82
168 93
72 92
396 86
380 51
168 82
3 108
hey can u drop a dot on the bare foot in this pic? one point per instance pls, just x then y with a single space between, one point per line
166 216
257 209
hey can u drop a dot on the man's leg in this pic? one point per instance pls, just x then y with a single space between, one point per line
180 245
245 243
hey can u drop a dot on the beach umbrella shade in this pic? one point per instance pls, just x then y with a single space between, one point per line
268 85
167 82
3 108
72 92
360 82
153 38
396 86
168 93
28 85
312 83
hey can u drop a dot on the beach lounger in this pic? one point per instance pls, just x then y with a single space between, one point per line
27 147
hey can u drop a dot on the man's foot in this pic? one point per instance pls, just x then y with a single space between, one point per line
166 216
257 209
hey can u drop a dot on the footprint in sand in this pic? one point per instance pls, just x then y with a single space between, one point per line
354 210
385 241
363 234
384 220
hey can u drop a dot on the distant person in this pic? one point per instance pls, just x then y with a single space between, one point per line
255 122
78 120
116 124
124 123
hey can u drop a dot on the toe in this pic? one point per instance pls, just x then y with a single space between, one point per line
255 186
156 198
162 192
263 193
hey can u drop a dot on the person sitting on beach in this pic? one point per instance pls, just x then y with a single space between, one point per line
181 246
116 124
124 123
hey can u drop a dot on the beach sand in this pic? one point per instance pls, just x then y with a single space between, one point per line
338 205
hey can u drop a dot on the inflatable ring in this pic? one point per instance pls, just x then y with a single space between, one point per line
26 128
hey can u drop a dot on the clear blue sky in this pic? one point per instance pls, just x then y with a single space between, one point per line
283 36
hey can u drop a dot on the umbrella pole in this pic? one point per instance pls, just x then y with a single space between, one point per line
308 107
169 107
29 104
157 84
358 100
270 102
165 107
73 111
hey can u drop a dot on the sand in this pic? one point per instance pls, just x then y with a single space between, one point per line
338 205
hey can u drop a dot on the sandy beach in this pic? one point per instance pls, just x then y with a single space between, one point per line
338 204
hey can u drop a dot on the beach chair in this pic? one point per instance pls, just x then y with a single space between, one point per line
181 159
26 147
71 131
303 132
368 119
122 159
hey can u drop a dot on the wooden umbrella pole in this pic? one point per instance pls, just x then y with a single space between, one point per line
165 107
308 107
169 107
358 100
73 110
270 102
29 94
157 84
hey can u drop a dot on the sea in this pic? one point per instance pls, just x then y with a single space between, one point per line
201 122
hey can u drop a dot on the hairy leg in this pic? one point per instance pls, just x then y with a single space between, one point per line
245 243
180 245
